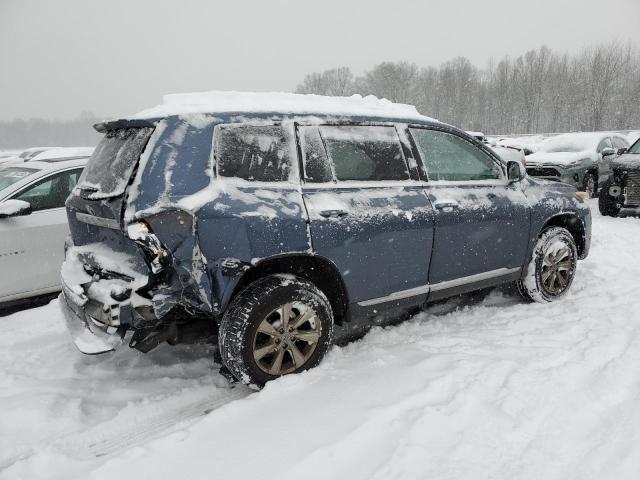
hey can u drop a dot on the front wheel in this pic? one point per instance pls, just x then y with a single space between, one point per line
279 324
608 205
552 268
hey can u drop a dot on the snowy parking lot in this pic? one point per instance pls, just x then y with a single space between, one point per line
482 386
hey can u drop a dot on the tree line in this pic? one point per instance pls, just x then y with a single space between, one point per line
49 133
542 91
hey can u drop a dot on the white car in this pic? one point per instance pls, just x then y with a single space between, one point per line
33 225
505 152
45 153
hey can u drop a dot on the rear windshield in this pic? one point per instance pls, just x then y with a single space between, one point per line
11 175
109 168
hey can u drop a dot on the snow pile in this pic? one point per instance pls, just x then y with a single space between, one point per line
280 102
476 387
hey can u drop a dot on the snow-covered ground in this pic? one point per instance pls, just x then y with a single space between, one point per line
478 387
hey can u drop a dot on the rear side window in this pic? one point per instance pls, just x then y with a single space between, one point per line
451 158
365 153
254 153
111 165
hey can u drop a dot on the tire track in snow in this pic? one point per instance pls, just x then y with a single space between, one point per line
129 430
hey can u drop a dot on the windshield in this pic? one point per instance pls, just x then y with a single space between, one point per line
635 148
11 175
110 167
568 143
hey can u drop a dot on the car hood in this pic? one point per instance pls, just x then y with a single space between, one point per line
627 161
555 158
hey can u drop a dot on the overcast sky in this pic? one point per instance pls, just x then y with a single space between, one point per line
113 57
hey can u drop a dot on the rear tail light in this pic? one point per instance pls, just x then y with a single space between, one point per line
141 233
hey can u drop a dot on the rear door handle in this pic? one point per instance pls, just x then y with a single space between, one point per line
446 205
333 213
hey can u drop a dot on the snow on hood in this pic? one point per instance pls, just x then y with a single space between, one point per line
629 160
254 102
556 158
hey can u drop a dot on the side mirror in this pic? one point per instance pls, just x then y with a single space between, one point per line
515 171
621 151
14 208
608 151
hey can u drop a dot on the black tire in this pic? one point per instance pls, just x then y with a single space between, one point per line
239 334
607 204
590 184
552 242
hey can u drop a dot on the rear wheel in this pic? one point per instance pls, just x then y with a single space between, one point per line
552 268
276 326
607 205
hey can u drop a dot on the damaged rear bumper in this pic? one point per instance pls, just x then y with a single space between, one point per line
91 337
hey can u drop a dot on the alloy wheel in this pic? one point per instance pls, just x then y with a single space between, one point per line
286 338
558 267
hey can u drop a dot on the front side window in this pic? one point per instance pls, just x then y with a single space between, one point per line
50 192
451 158
365 153
255 153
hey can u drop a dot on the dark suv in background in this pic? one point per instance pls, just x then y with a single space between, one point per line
285 222
622 190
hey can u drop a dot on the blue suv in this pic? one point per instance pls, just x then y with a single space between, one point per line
283 223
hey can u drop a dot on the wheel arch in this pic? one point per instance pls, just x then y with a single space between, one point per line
320 271
571 222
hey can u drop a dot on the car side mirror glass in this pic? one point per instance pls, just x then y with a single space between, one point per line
14 208
515 171
608 151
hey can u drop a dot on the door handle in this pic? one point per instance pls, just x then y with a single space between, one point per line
446 205
333 213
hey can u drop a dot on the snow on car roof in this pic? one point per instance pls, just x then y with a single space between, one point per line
51 166
575 142
63 153
280 102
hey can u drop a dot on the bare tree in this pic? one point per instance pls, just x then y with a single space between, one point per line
392 80
336 82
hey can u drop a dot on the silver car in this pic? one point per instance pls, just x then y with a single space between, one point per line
580 159
33 225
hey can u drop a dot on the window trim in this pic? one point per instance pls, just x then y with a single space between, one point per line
422 167
44 178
